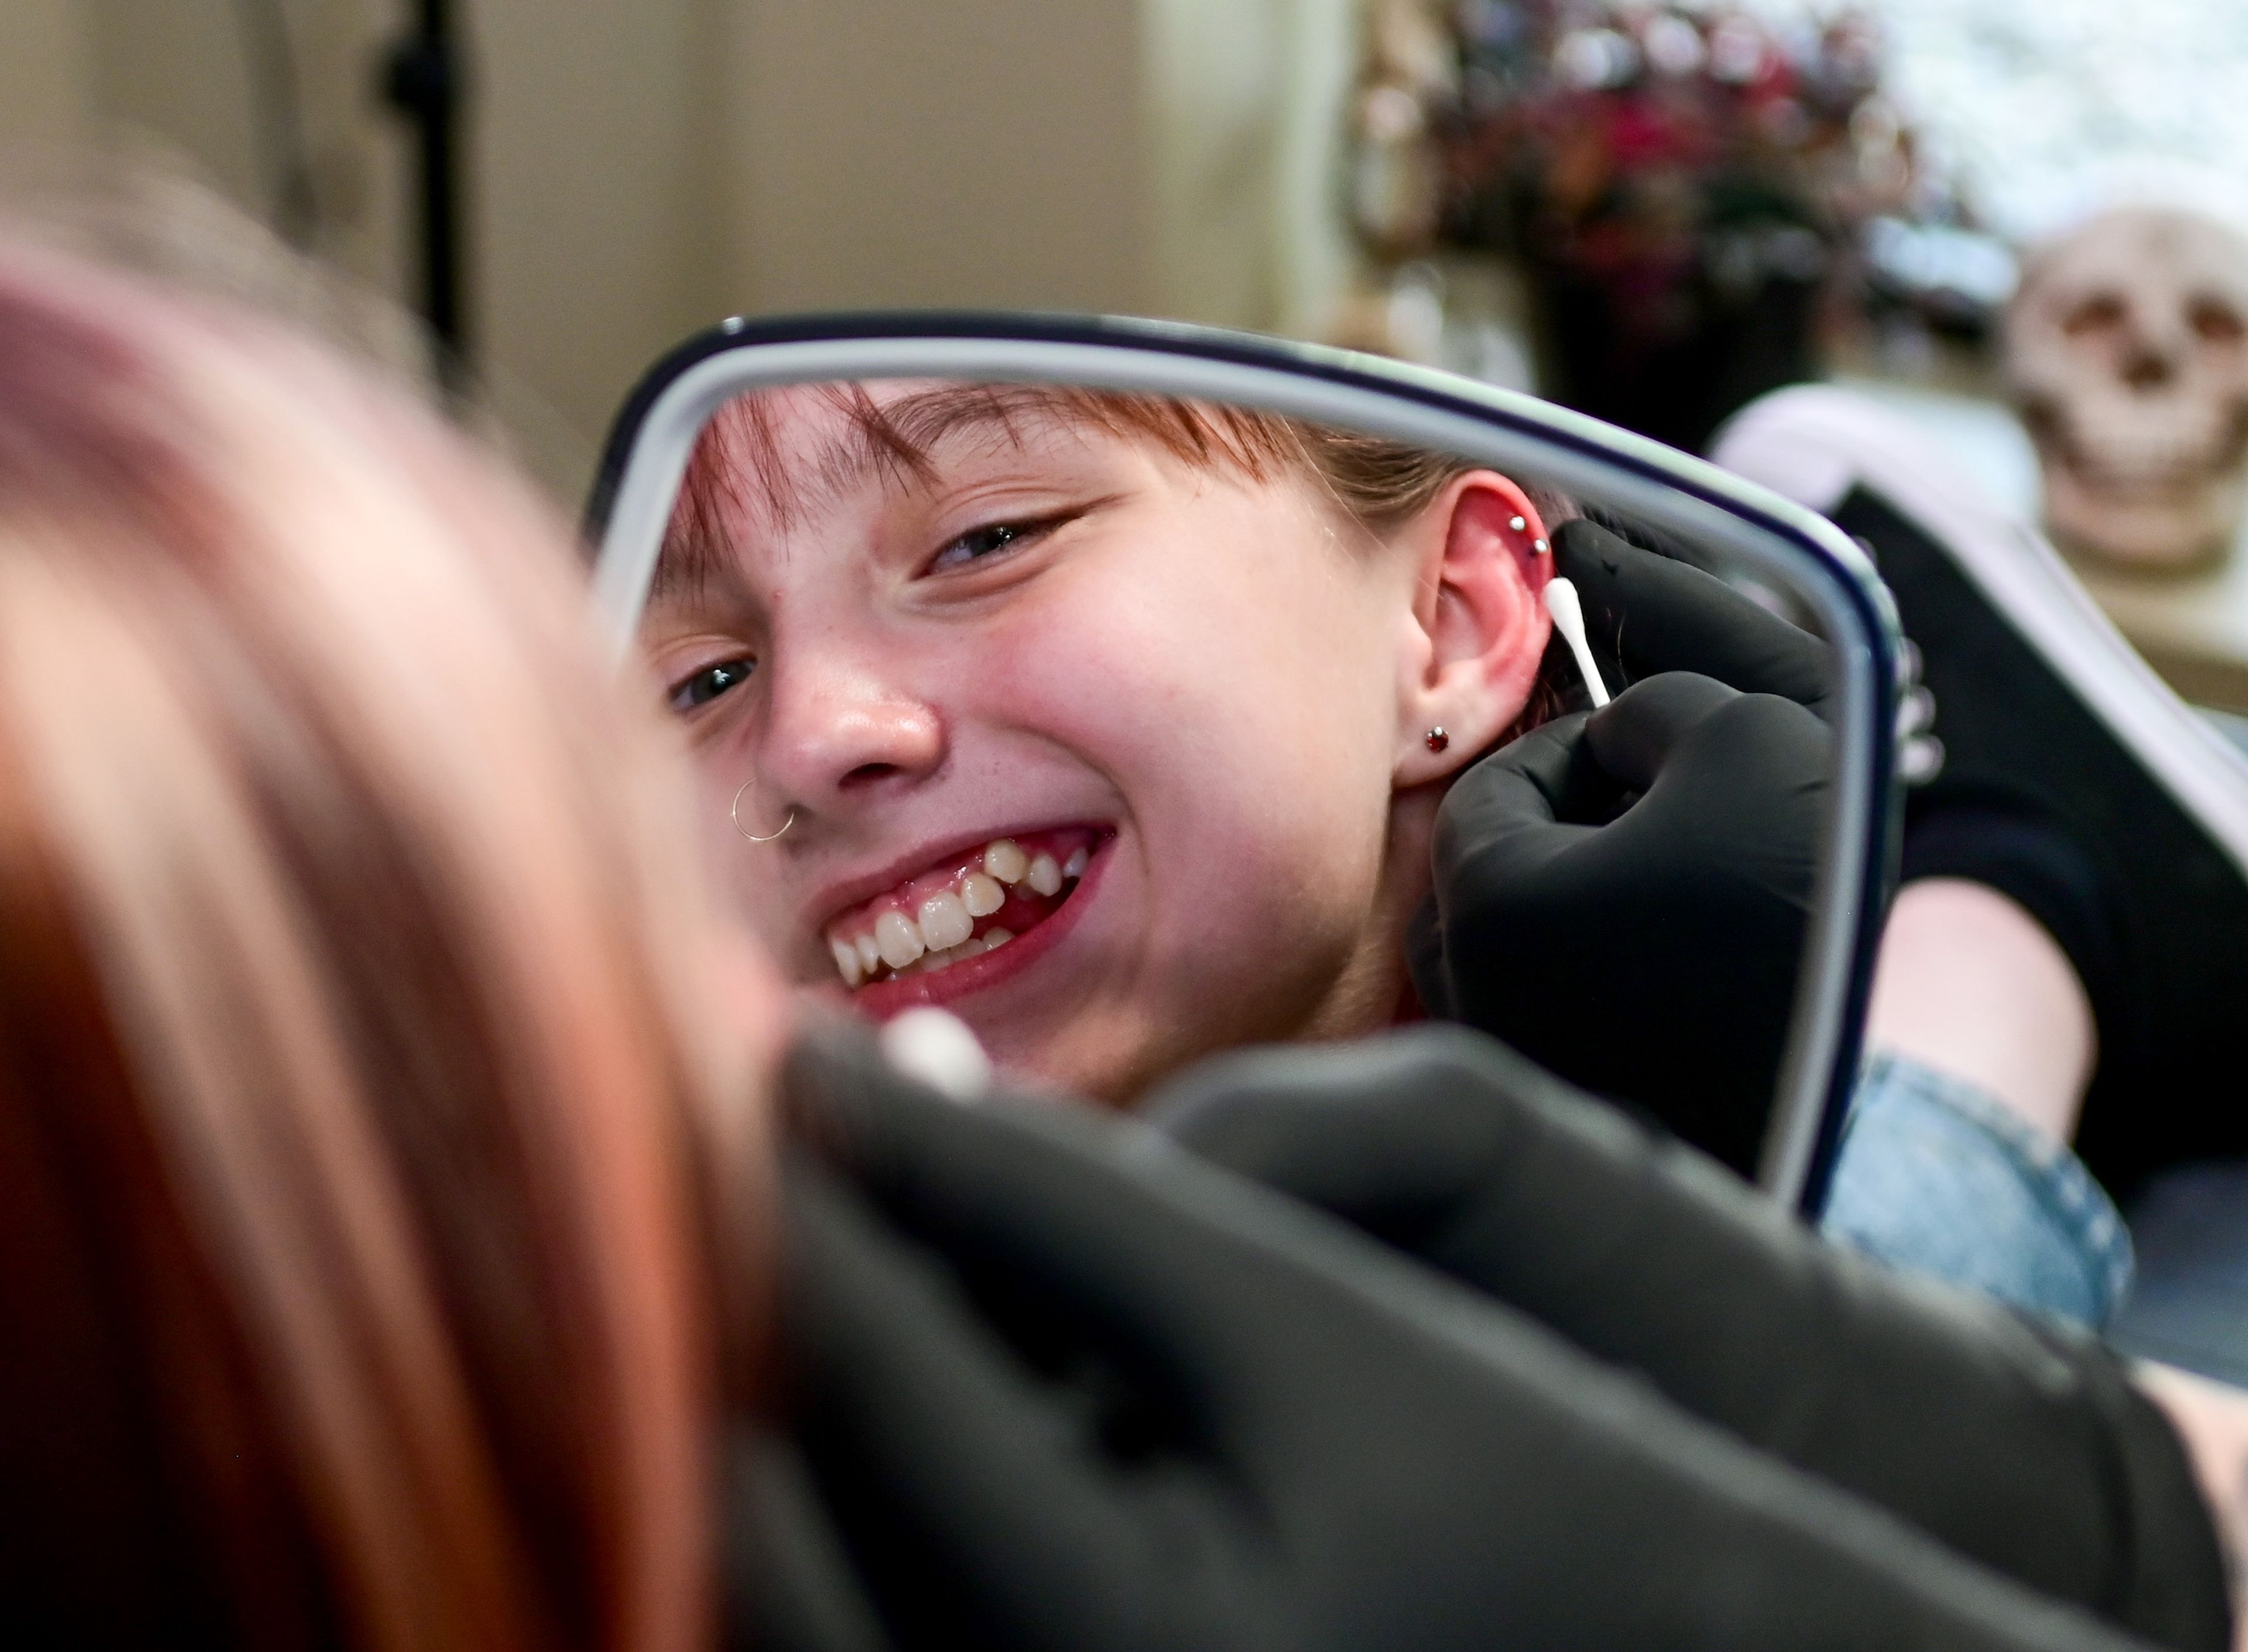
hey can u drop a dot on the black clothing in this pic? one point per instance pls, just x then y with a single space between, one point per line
2020 1444
1059 1384
2067 819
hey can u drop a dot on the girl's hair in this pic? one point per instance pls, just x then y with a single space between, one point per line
1377 484
355 1068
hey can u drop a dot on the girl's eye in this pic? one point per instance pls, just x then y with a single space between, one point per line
710 683
978 543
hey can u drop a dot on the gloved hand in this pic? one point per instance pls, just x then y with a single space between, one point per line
2025 1447
1063 1386
1646 615
1623 895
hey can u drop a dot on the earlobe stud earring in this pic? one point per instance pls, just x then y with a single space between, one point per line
734 815
1436 739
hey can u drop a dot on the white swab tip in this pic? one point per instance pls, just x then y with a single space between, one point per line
938 1048
1568 613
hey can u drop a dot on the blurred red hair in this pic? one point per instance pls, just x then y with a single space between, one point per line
361 1066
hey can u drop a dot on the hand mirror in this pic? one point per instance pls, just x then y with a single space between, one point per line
1102 681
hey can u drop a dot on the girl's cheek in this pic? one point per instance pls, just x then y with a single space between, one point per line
1093 684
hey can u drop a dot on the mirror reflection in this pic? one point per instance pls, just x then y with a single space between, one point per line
1124 726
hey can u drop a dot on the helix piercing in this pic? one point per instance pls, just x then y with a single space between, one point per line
1436 739
735 814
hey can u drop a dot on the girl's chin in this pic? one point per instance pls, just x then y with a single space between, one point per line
1080 1066
1071 1061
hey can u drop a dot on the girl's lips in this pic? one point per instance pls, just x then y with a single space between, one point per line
882 999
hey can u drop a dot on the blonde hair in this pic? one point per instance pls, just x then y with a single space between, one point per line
356 1060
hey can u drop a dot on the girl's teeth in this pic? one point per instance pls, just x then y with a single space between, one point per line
898 939
942 932
981 894
944 920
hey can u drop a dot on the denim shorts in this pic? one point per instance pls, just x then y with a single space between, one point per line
1934 1177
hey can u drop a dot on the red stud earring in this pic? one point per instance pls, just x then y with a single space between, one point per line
1436 739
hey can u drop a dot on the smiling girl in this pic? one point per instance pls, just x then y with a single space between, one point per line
1114 724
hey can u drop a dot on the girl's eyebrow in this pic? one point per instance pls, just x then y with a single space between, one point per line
927 417
690 563
891 443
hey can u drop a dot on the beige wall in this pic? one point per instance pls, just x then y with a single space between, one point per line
964 153
639 170
45 90
177 77
591 249
1243 104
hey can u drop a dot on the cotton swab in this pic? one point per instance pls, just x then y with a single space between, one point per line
1569 619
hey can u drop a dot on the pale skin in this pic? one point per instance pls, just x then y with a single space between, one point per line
1968 983
1159 650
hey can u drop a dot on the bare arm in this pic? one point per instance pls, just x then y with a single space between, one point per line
1970 984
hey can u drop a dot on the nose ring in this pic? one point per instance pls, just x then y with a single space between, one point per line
735 814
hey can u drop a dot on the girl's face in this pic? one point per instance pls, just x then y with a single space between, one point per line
1118 757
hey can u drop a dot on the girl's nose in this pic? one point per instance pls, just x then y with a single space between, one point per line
839 735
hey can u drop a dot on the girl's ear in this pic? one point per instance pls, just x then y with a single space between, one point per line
1479 626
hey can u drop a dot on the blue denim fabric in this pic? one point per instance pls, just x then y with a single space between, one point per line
1935 1177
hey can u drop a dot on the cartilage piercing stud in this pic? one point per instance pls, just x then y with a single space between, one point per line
734 815
1541 546
1517 523
1436 739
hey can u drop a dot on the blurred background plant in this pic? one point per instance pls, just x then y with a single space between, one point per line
1694 199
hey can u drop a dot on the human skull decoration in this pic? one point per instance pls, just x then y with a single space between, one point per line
2127 352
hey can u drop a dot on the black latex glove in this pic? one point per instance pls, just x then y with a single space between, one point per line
2023 1447
1646 615
1650 955
1647 946
1064 1386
